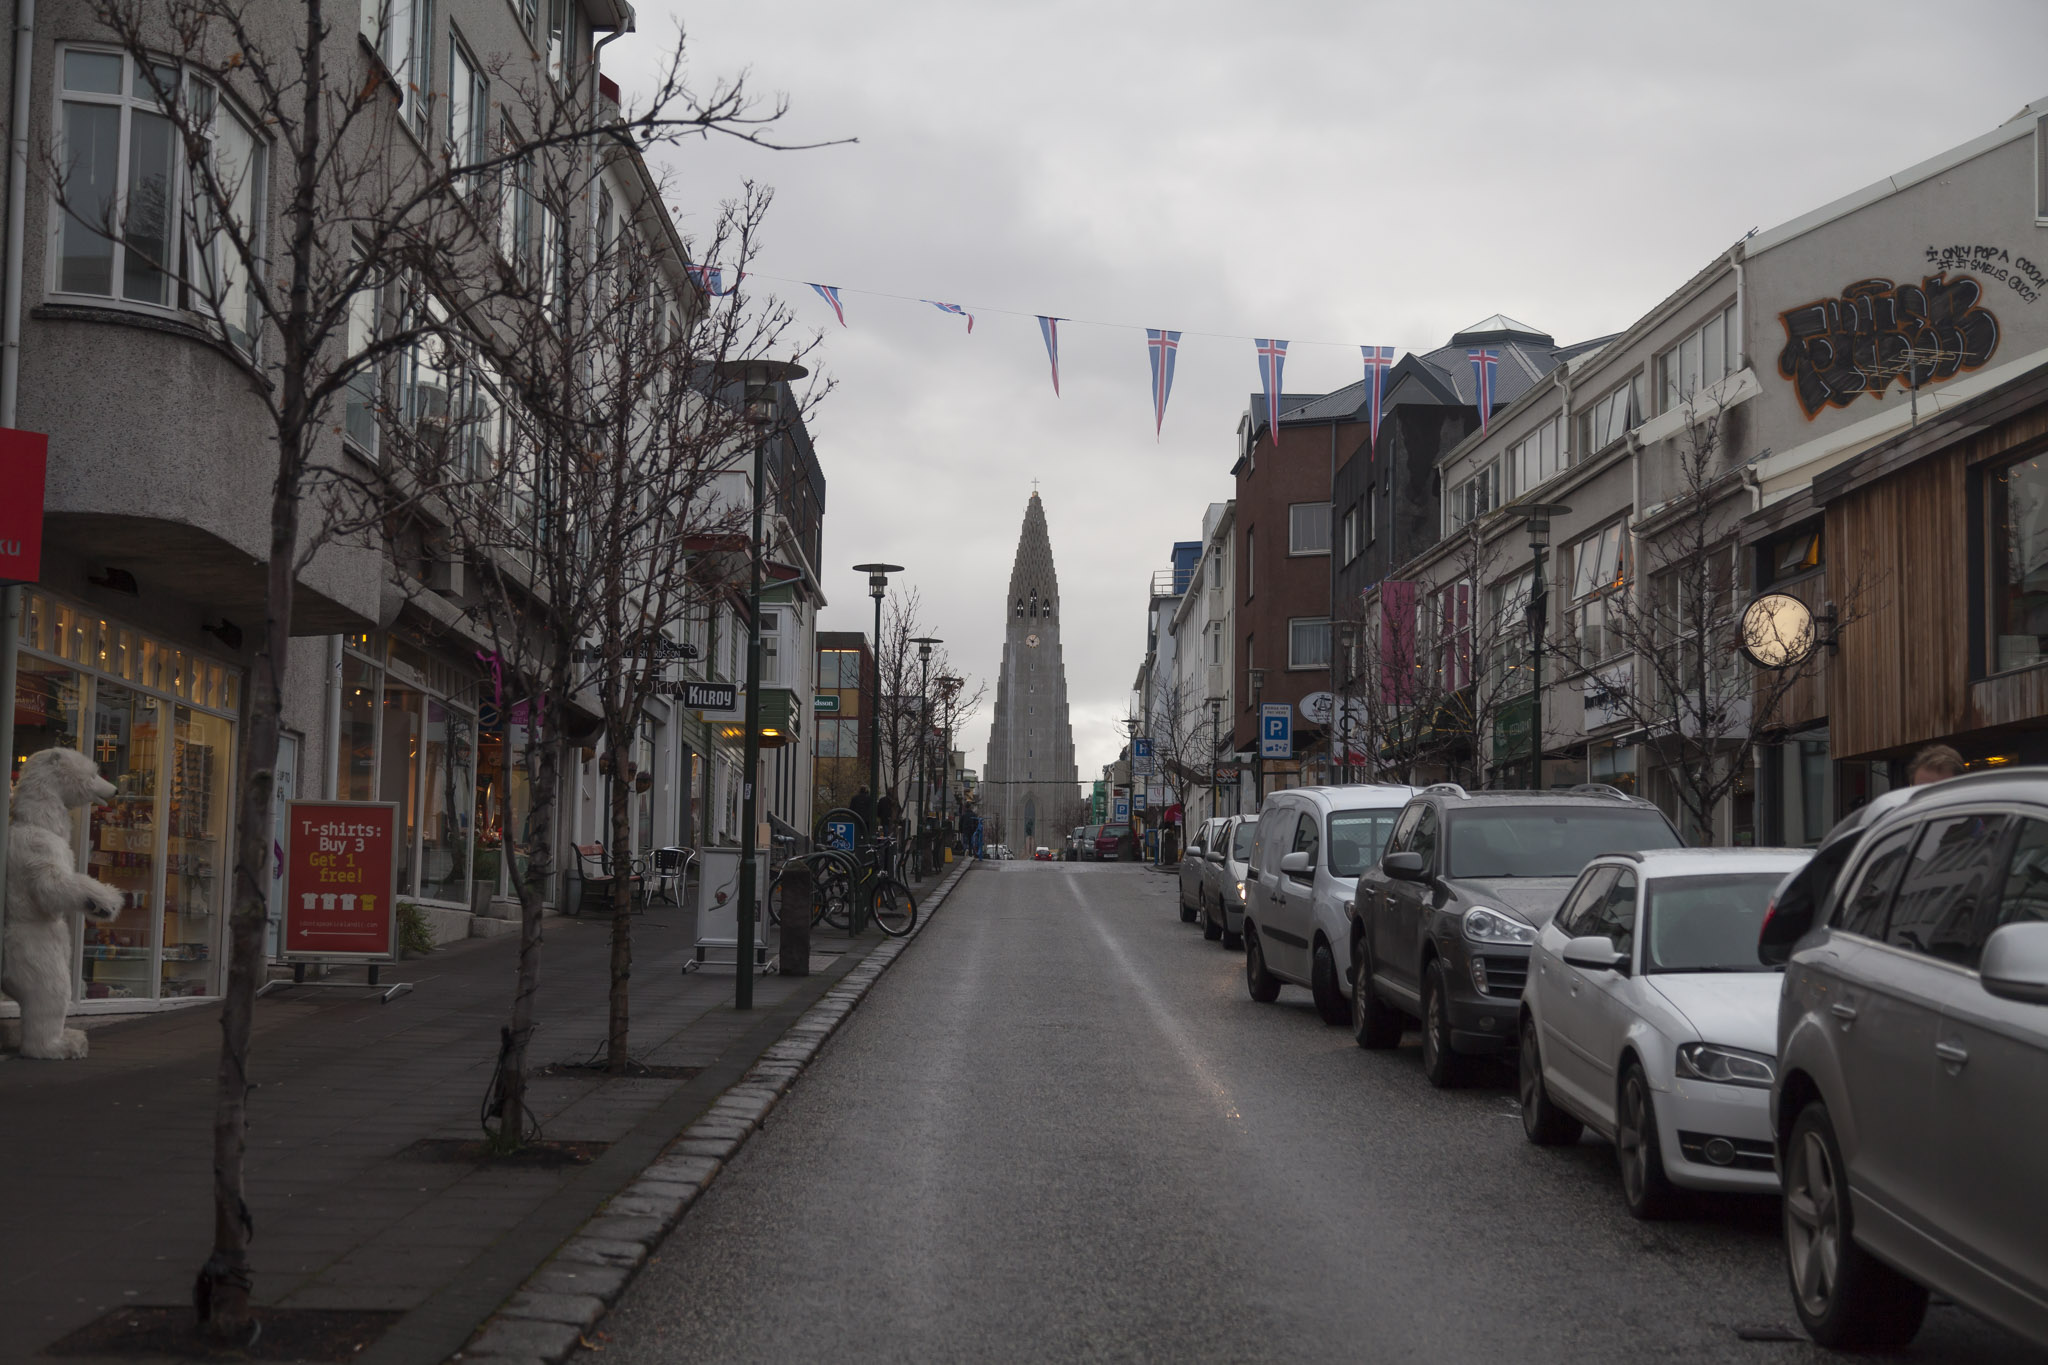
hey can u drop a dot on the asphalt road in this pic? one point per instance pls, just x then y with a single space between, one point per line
1058 1129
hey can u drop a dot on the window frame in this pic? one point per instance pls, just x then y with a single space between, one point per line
1473 496
1671 391
1580 603
1527 474
1596 436
1295 522
469 149
1295 623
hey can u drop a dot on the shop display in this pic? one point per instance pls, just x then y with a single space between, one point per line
43 892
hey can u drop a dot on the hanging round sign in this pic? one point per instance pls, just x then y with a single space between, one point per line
1777 630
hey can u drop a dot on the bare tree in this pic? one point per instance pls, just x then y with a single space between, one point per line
304 196
1182 754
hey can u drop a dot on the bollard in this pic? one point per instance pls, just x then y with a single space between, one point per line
797 891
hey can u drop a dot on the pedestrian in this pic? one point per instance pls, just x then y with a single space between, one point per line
863 805
886 812
1935 763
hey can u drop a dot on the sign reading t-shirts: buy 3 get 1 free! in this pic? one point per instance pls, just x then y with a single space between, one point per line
340 880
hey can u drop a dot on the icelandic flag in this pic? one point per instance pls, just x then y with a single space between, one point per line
1378 360
830 293
1272 359
956 310
711 279
1485 369
1049 328
1164 346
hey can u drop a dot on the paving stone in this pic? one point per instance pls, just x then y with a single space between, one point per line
730 1129
681 1170
527 1337
717 1148
574 1277
579 1310
602 1251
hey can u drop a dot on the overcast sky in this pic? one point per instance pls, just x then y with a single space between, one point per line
1341 173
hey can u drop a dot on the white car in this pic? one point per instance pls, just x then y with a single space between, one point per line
1312 843
1649 1018
1222 895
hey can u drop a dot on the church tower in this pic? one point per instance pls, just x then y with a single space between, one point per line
1029 777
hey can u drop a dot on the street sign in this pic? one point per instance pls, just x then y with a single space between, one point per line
24 456
825 704
714 700
1276 730
1137 800
340 881
841 833
1120 811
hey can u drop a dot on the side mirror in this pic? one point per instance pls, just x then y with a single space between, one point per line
2015 963
1595 953
1296 864
1407 867
1215 855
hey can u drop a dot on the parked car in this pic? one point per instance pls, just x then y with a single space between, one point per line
1223 880
1312 843
1194 864
1649 1018
1912 1050
1107 839
1441 927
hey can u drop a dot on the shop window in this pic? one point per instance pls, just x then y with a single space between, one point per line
1792 554
2017 547
197 856
447 774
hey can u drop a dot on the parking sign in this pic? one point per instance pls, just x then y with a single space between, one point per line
1276 730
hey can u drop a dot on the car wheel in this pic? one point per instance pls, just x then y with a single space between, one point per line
1212 929
1440 1062
1263 985
1639 1152
1331 1003
1847 1298
1543 1123
1377 1025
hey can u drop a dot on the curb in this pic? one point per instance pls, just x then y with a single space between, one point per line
546 1320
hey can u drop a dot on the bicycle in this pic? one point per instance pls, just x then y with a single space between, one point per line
850 886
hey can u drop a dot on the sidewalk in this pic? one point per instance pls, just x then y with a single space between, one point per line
104 1164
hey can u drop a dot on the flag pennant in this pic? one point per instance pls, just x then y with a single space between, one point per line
1272 360
1049 328
711 279
1378 360
1164 346
1485 369
830 293
956 310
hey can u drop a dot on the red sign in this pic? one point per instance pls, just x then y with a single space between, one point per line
23 457
340 879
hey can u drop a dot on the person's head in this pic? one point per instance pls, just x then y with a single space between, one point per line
1934 763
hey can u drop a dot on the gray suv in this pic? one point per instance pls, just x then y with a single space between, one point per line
1441 928
1912 1090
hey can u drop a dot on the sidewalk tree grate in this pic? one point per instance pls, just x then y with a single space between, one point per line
545 1155
288 1334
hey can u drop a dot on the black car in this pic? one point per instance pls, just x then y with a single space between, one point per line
1441 928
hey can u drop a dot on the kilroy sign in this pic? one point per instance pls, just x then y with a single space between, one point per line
340 881
714 701
24 456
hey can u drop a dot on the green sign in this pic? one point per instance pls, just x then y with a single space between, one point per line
1511 730
825 703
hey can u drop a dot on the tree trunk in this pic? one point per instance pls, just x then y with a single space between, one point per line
616 1054
540 841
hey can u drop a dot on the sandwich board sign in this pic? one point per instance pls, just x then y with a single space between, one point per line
340 882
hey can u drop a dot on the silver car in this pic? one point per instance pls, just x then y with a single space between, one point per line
1228 859
1912 1090
1194 865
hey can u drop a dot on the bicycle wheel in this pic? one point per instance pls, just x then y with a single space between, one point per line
893 908
834 903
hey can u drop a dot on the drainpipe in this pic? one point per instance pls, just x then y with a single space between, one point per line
1735 254
330 776
10 381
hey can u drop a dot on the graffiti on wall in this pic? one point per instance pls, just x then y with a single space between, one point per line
1878 334
2015 272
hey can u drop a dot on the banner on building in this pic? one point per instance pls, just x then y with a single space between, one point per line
24 460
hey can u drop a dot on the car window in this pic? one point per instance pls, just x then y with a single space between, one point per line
2024 898
1196 849
1863 904
1578 905
1706 924
1404 829
1550 841
1241 841
1423 838
1356 838
1307 838
1614 914
1954 867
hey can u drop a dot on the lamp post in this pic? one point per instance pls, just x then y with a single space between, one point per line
878 584
948 687
1215 743
924 645
761 386
1258 676
1347 633
1538 614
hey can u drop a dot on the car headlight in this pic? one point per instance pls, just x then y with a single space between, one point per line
1491 926
1727 1065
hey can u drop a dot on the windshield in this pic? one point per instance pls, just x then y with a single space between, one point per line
1241 841
1356 838
1706 924
1548 842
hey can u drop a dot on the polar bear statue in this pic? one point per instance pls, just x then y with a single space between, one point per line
43 891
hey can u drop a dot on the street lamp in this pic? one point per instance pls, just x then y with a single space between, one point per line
1215 743
878 583
924 645
1258 677
1537 614
761 384
1347 634
949 686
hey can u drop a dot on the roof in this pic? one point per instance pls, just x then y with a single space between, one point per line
1667 862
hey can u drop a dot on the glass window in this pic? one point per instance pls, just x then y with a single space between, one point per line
398 772
47 702
197 854
1514 842
1307 838
1308 528
447 778
1613 916
1308 642
1953 870
123 847
1701 358
1612 416
359 422
1241 840
1537 456
469 109
2024 898
1422 838
2017 547
1579 907
1861 910
1599 567
1357 837
1706 924
1473 496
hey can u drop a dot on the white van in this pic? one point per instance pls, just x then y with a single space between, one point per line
1311 844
